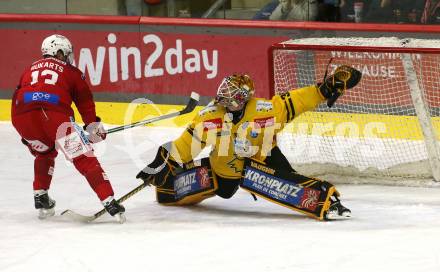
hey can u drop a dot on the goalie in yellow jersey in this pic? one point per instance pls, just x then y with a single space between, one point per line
241 130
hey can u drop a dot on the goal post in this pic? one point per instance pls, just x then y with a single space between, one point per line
388 125
422 111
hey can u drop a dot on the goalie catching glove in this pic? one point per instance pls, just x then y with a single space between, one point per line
344 77
160 169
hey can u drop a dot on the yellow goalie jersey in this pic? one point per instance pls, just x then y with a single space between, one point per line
253 136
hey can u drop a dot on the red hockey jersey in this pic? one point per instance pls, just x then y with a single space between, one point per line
53 85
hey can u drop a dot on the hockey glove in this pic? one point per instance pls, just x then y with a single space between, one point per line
345 77
160 170
96 131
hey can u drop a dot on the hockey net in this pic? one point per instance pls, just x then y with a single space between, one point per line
386 126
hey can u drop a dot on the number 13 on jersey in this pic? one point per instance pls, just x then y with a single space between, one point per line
51 77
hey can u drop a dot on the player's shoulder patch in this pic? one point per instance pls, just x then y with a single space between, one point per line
210 108
83 76
263 106
215 123
264 122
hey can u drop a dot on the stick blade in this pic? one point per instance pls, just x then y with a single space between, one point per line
192 103
195 96
77 217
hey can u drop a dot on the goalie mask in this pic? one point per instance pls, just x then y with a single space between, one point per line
54 43
235 91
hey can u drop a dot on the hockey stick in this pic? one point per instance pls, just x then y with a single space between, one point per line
192 103
87 219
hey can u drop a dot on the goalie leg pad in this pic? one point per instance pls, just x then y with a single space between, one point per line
191 185
306 195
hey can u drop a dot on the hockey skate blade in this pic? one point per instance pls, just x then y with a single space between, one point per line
334 216
120 217
45 213
77 217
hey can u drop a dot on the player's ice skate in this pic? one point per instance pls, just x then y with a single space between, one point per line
337 211
44 204
114 209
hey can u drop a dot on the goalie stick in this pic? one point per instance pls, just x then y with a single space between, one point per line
190 106
86 219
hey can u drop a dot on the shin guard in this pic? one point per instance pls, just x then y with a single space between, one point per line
306 195
191 185
90 168
43 171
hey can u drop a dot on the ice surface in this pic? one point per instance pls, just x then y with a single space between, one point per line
393 228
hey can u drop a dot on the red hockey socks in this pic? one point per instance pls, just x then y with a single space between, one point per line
90 168
43 171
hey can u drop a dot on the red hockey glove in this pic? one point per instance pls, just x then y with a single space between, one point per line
96 131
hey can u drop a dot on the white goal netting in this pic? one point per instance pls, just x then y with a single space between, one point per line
376 128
